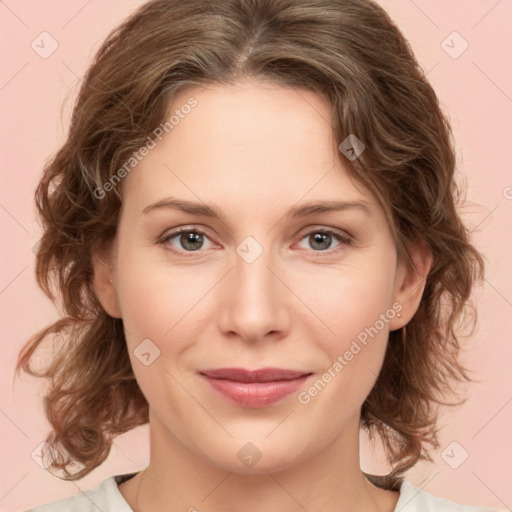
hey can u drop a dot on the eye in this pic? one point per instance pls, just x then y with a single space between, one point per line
191 240
321 240
187 240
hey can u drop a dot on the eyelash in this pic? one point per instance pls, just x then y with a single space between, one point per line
344 241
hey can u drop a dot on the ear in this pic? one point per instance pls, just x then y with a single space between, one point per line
104 283
410 282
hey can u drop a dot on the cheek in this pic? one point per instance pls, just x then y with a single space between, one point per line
349 300
355 307
158 301
159 305
166 302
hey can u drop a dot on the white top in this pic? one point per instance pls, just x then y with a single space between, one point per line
107 498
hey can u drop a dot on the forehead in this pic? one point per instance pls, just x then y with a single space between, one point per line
250 144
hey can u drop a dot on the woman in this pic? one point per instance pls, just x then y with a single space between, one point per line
253 227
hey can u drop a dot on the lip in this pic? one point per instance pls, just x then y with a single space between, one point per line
254 388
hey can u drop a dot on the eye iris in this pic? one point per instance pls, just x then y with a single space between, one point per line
321 238
187 240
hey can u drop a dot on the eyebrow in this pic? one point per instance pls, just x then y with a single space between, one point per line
206 210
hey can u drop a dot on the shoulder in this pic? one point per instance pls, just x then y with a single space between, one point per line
414 499
106 497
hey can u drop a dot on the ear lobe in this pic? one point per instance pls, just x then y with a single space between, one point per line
104 285
410 282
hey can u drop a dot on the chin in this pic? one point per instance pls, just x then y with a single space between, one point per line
256 457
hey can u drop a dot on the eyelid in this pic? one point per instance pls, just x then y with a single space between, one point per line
343 238
167 236
319 228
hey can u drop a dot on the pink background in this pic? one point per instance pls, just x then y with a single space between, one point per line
475 90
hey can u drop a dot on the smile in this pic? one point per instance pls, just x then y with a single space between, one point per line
256 388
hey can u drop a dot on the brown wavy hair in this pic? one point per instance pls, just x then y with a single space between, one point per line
352 53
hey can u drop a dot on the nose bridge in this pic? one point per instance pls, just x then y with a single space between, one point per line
256 301
252 274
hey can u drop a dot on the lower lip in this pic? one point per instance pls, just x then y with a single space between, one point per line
255 394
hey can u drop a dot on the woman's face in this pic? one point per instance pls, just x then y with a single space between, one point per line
266 283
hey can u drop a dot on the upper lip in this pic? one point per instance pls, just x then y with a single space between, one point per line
258 375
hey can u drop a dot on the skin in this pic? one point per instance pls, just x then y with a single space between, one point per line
254 150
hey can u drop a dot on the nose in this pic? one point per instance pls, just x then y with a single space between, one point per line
255 303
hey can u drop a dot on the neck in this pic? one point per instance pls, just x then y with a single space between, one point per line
329 480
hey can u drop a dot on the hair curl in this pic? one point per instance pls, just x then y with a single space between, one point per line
351 52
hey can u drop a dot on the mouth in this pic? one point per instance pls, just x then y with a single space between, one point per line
254 388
